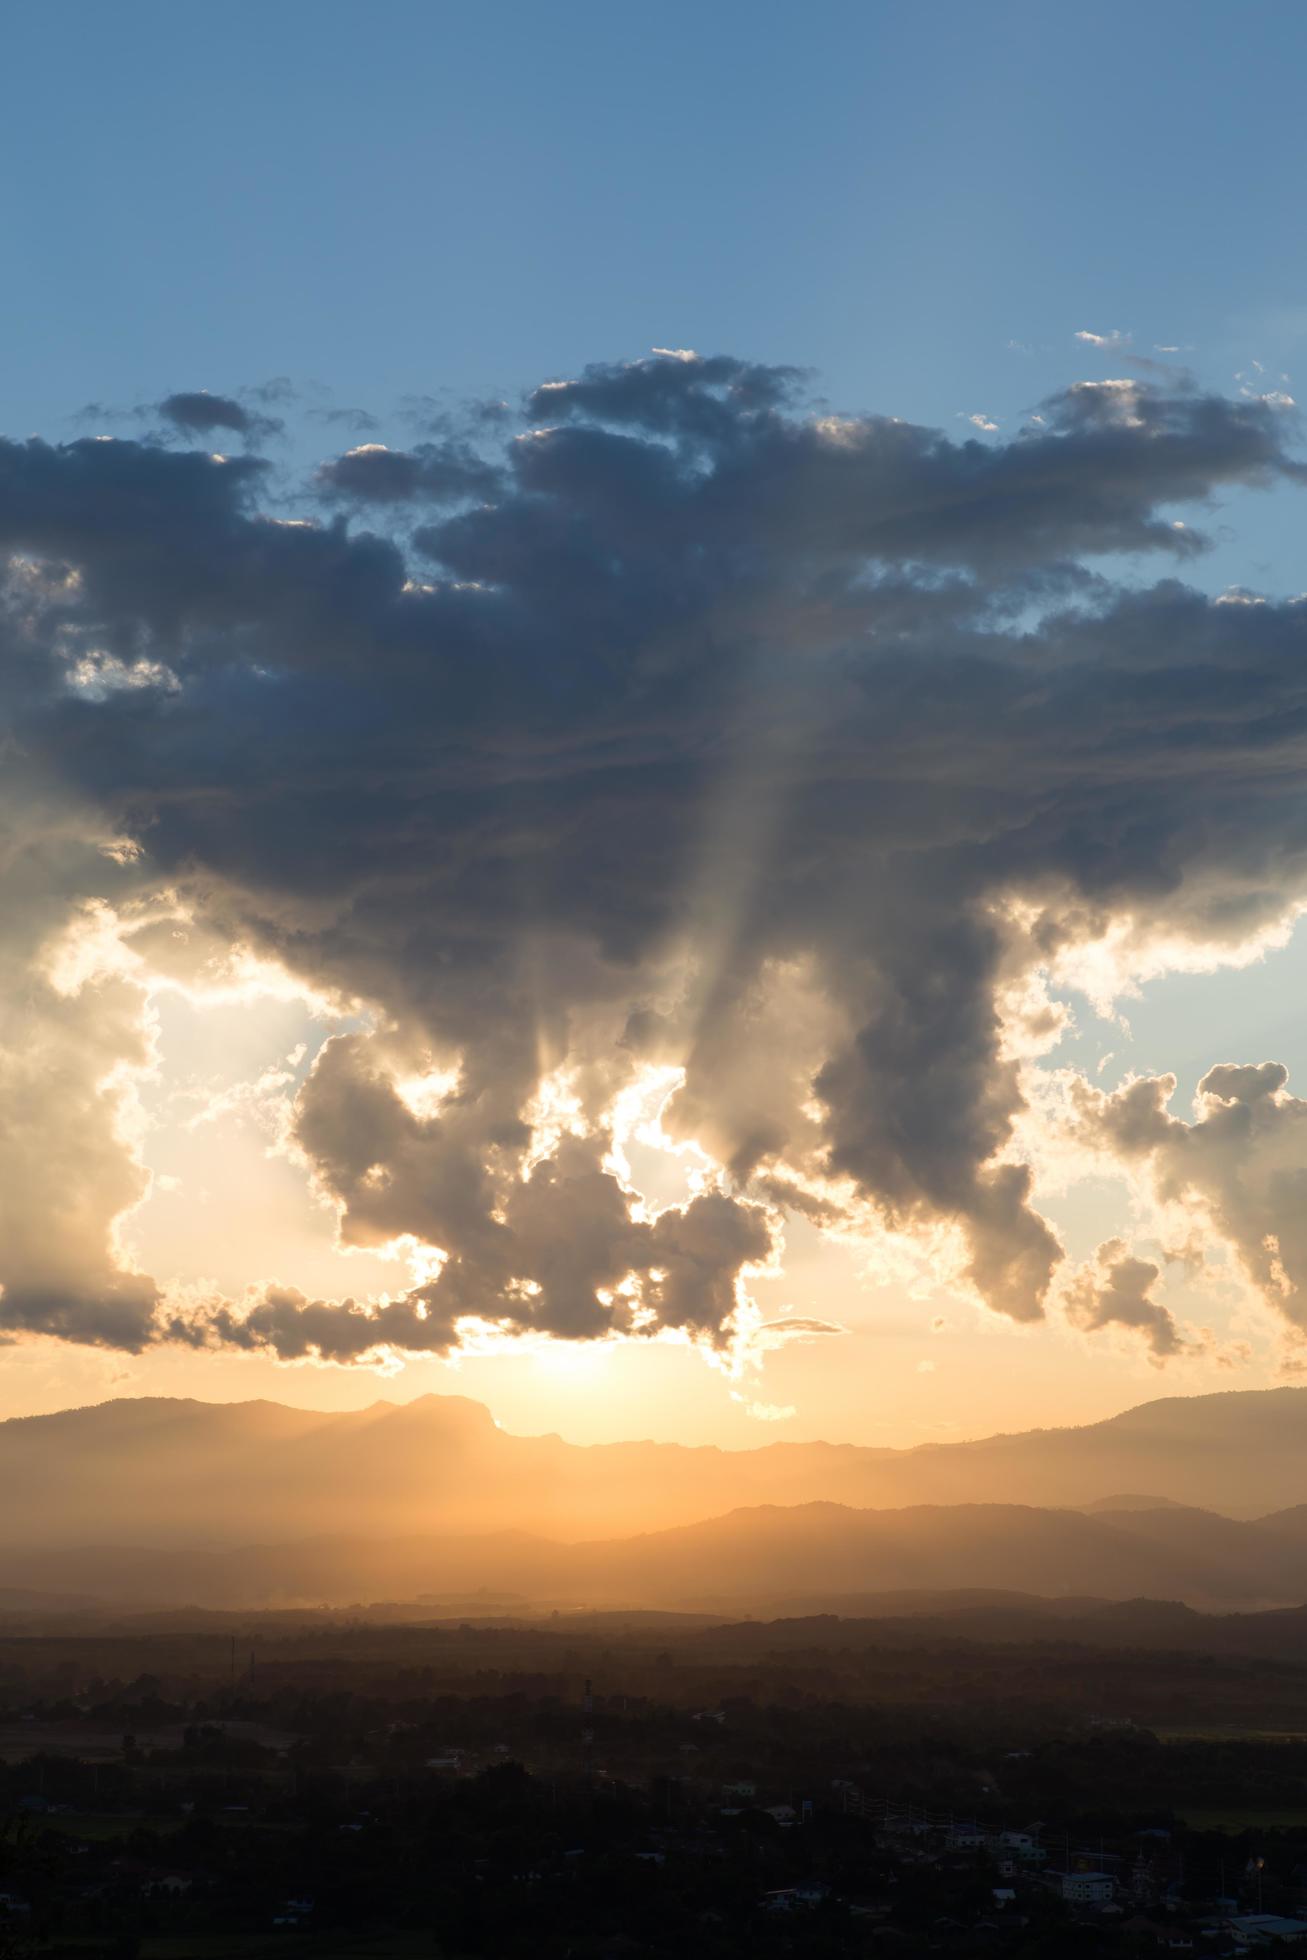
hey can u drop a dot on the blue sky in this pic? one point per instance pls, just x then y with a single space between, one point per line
395 199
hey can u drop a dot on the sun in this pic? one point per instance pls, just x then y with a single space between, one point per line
578 1362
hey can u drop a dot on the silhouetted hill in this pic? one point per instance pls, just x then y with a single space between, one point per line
765 1559
772 1554
1290 1525
1129 1501
161 1473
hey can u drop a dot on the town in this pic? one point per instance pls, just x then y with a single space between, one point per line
608 1788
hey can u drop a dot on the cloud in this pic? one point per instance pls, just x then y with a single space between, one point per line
795 1327
201 414
1116 1290
360 420
548 1244
1253 387
434 473
1106 343
566 1259
71 1034
692 731
1240 1166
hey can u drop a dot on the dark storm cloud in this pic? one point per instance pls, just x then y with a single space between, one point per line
677 394
714 733
569 1227
199 413
1087 478
434 473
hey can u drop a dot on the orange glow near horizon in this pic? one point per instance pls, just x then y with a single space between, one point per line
916 1364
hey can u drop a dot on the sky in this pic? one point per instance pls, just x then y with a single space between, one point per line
650 671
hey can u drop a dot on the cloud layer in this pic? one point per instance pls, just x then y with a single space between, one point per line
683 729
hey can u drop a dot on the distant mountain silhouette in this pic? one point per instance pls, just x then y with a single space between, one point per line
169 1473
1130 1501
767 1559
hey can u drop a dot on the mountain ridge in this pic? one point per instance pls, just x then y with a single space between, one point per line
180 1472
1283 1396
756 1558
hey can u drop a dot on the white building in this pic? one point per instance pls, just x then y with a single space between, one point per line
1087 1888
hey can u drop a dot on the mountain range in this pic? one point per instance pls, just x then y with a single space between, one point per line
163 1472
253 1504
767 1559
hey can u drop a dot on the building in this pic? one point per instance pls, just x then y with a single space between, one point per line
1020 1845
794 1898
1254 1929
1085 1888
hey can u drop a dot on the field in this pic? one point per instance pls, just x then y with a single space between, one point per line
21 1740
294 1946
1248 1817
277 1945
1224 1732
